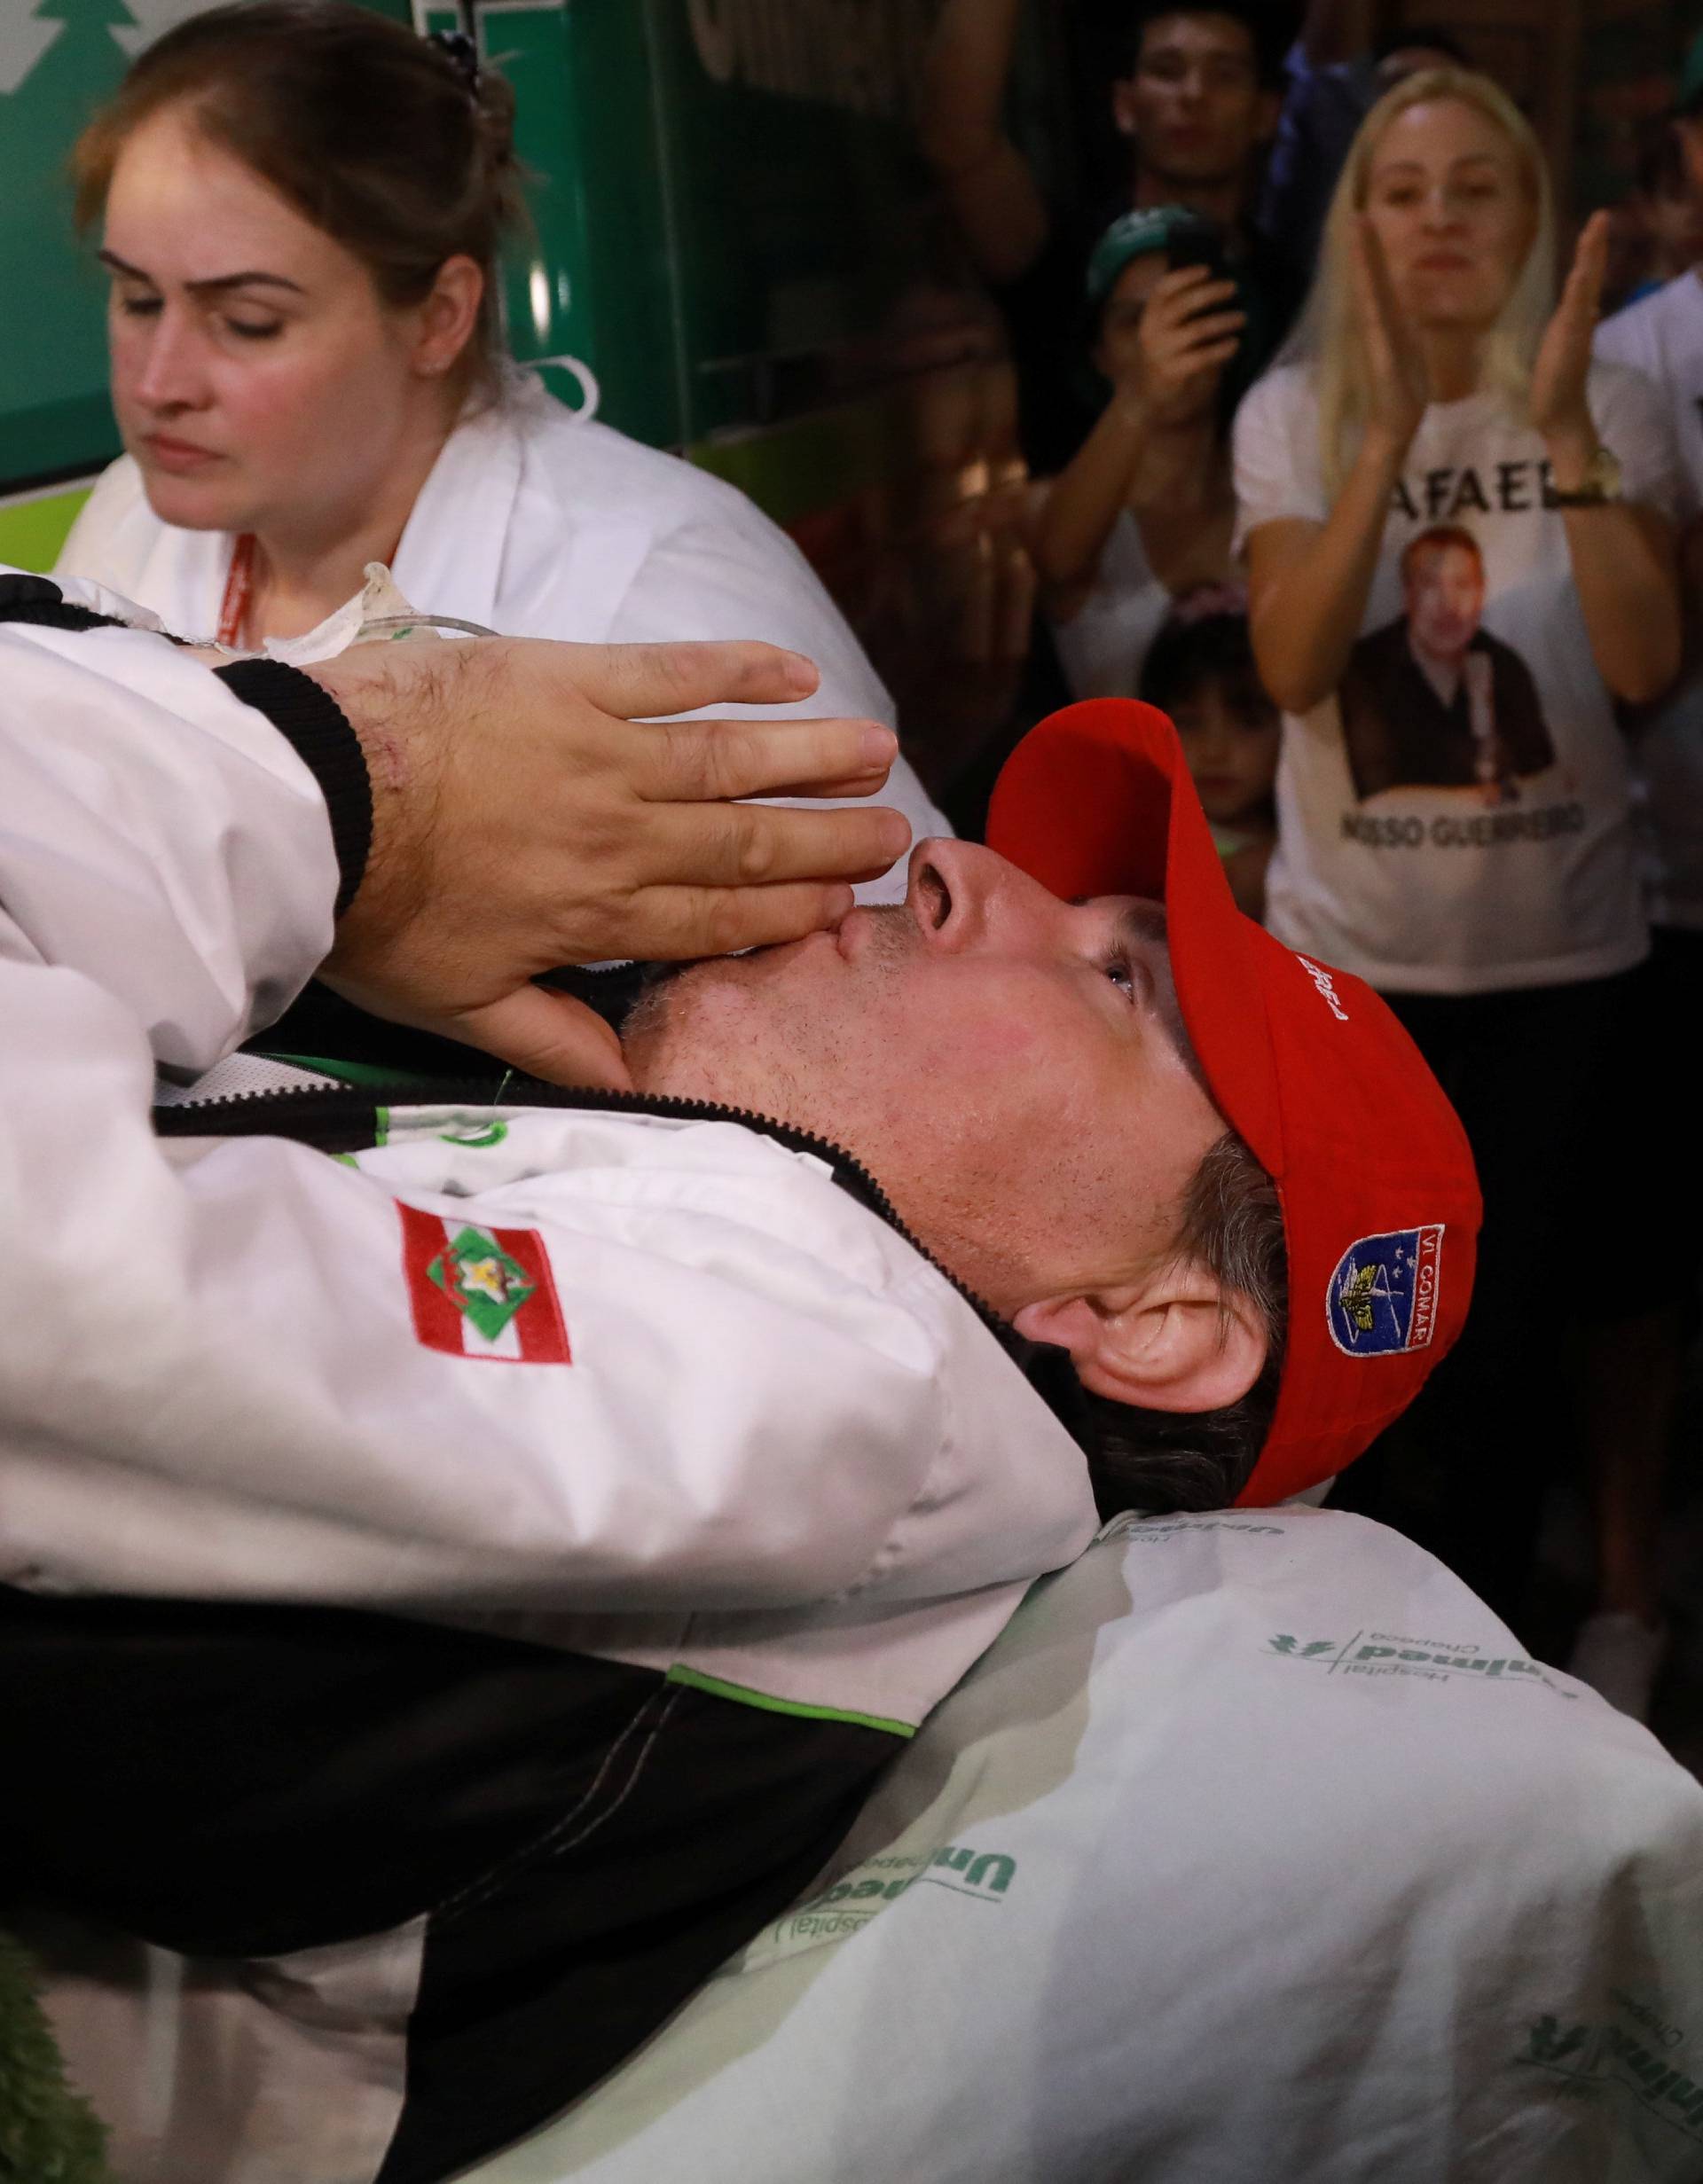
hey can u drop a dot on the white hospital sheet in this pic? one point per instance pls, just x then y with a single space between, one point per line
1254 1852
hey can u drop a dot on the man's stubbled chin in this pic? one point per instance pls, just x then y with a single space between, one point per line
734 1029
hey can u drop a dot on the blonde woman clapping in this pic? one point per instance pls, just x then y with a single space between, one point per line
1460 550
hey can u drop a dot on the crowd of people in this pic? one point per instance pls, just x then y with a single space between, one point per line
1397 517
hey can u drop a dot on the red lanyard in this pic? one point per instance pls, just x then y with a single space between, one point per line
233 610
238 586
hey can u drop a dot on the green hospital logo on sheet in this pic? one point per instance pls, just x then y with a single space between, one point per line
1137 1530
1389 1653
1632 2057
986 1878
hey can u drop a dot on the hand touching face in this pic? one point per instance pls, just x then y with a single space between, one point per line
527 812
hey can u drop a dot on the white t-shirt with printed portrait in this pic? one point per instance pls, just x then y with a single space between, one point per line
1458 822
1662 337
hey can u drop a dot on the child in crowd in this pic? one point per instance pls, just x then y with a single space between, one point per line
1200 669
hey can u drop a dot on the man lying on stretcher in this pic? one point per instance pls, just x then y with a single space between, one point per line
507 1550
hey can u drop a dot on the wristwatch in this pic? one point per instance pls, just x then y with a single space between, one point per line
1599 487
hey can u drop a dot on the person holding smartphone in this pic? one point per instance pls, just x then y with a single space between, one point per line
1194 94
1144 512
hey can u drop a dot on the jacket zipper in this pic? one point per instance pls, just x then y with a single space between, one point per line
342 1119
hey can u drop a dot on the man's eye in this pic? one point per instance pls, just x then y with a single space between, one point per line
1117 969
139 307
246 330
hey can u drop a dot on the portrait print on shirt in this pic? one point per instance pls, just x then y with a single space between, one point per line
1432 700
1454 816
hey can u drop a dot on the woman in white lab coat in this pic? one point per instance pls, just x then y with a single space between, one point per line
301 207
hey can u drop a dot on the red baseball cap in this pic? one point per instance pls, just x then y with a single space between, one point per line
1380 1201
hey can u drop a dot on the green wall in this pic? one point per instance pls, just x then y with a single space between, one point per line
33 527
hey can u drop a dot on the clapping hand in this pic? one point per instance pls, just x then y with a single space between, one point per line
1558 408
1399 391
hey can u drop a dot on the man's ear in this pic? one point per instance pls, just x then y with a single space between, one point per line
1271 112
1123 104
449 315
1177 1342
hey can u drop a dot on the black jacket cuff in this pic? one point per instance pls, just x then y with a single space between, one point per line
38 600
312 721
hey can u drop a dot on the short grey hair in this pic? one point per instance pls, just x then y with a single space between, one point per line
1232 1224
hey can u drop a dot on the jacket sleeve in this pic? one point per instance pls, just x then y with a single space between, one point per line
229 1369
160 836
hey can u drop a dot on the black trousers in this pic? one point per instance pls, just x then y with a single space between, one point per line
585 1840
1463 1472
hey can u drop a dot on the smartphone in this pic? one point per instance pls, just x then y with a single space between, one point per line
1198 241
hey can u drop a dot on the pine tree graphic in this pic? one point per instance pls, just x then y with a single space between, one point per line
152 18
79 38
24 38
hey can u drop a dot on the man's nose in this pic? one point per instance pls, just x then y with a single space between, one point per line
965 897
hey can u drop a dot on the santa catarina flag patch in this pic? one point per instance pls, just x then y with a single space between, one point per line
481 1292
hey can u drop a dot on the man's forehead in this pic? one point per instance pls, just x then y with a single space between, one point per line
1196 27
1143 920
1140 917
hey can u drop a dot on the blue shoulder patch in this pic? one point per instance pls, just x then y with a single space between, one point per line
1383 1296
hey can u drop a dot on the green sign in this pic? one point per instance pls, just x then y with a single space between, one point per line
594 280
